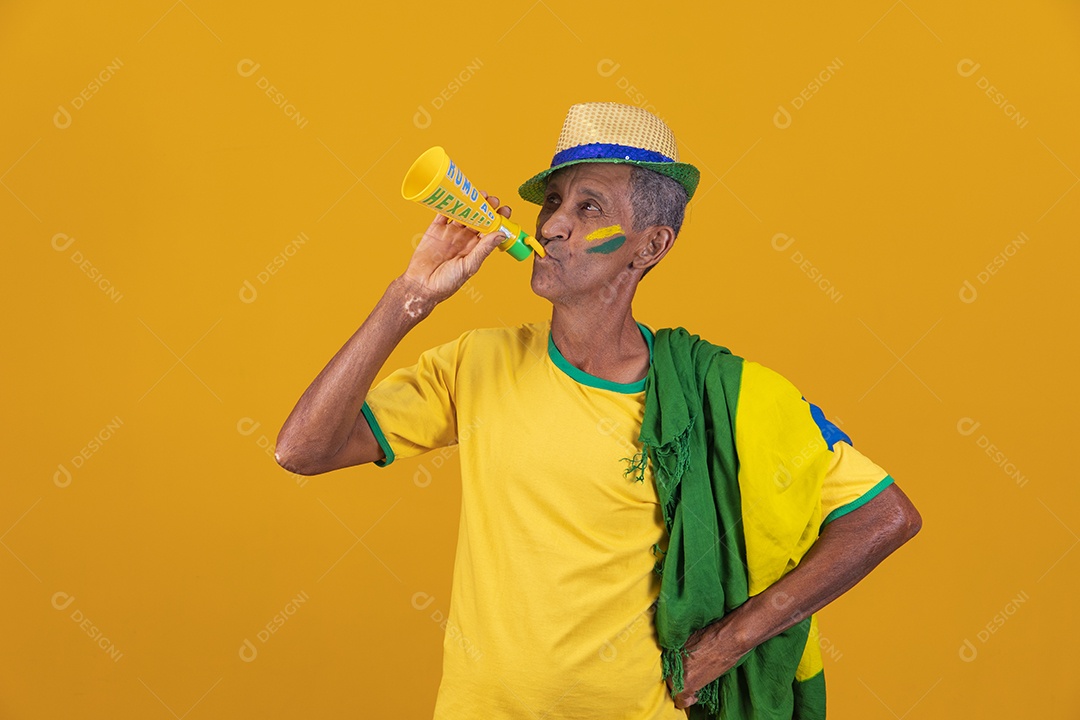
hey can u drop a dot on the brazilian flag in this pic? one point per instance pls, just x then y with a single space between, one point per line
739 457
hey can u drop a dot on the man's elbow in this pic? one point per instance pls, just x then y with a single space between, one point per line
296 462
288 461
907 522
914 522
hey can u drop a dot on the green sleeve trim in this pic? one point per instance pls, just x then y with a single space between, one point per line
378 433
857 502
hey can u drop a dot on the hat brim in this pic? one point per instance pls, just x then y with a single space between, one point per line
532 190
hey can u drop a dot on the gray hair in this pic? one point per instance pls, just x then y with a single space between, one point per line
656 200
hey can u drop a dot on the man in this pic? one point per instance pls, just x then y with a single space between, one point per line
555 579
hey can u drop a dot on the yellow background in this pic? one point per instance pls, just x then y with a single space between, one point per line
179 180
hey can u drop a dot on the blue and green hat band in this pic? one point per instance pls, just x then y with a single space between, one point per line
532 190
608 151
608 132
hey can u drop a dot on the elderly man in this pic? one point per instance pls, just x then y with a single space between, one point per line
590 445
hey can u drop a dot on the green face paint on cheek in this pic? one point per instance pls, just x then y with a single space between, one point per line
608 246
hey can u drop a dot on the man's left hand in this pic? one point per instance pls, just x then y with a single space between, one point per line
713 651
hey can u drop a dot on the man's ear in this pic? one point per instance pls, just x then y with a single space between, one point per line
658 240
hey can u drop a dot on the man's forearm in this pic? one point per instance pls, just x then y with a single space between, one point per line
325 414
847 550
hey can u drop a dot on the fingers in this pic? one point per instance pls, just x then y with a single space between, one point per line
457 223
493 201
490 241
484 246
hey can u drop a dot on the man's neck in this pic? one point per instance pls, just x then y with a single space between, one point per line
607 344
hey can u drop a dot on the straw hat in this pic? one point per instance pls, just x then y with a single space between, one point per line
615 133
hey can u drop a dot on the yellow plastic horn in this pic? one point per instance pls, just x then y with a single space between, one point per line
436 182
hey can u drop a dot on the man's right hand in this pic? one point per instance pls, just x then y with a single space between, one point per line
449 254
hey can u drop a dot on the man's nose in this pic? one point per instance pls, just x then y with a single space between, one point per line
557 227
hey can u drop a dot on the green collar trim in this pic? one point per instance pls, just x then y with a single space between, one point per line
592 380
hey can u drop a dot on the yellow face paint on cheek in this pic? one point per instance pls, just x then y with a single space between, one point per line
603 233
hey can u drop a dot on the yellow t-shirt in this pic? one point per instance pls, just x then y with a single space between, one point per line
551 612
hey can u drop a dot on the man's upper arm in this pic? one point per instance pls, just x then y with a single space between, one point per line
366 444
892 506
408 412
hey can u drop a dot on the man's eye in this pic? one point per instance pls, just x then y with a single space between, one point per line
552 199
589 206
